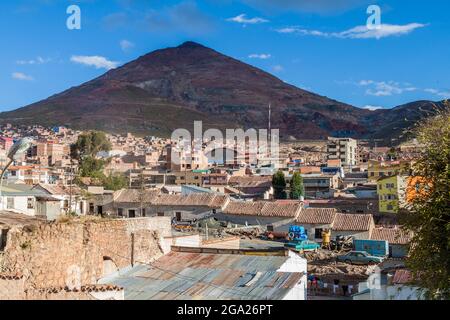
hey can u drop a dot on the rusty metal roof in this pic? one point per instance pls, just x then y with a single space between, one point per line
181 275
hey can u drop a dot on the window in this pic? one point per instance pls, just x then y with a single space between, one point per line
10 203
270 228
143 212
160 214
178 216
91 207
66 204
120 212
318 233
131 213
390 207
380 187
30 203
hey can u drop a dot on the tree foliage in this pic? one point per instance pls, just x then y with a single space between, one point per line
85 151
428 216
89 144
297 187
115 182
279 185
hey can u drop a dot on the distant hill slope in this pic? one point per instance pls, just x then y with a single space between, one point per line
170 88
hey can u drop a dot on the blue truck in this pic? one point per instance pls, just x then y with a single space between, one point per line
378 248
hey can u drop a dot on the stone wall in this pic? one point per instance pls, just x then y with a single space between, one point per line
74 254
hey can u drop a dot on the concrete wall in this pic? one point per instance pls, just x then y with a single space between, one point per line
280 223
295 263
311 228
360 235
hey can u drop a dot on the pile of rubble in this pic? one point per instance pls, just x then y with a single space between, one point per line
324 262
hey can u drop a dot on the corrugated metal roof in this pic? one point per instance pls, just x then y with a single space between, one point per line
181 275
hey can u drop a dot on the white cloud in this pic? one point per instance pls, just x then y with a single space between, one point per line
278 68
439 93
38 60
263 56
21 76
242 18
372 108
383 88
95 61
126 45
358 32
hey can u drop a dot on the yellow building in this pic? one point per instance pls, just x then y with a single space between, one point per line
391 193
380 169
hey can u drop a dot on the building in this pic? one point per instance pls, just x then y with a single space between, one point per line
208 274
320 185
391 193
344 149
381 169
316 220
27 174
275 216
397 238
392 284
6 143
43 201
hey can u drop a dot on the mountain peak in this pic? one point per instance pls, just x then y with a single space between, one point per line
191 44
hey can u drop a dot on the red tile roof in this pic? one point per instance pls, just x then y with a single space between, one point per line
402 276
353 222
317 216
391 235
263 209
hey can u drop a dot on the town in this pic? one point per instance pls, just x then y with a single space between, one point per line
319 221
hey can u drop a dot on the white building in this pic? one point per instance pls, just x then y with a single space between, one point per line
343 149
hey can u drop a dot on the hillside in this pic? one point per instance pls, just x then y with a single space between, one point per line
170 88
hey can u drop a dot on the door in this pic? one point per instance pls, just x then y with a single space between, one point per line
178 215
131 213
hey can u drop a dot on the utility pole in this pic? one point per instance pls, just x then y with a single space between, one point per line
70 185
141 197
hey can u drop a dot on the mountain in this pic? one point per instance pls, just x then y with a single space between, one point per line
171 88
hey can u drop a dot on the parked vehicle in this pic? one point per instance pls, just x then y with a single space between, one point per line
377 248
359 257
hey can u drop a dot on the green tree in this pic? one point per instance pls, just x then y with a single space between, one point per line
428 215
89 144
85 150
279 185
115 182
297 187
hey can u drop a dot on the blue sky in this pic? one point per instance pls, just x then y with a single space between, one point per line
319 45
